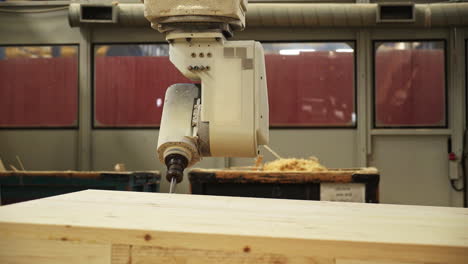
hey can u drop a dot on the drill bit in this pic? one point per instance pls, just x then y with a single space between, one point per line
172 188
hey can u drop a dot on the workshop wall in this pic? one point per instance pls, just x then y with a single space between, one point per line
118 112
39 148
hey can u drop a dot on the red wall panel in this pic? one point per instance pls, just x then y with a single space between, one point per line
39 92
311 89
410 88
127 89
314 88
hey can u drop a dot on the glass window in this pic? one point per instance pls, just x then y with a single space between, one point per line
130 83
310 84
410 84
39 86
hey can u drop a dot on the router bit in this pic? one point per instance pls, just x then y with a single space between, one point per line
172 187
176 165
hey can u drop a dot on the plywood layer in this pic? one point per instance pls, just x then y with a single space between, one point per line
129 227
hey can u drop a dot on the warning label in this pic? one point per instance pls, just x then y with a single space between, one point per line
343 192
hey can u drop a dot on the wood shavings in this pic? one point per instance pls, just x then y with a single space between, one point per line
259 161
292 164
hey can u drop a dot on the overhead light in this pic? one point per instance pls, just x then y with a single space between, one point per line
289 52
159 102
344 50
400 46
294 51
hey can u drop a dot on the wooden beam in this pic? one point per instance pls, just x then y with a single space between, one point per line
130 227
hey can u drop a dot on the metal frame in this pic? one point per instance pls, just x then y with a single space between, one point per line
374 87
396 34
73 126
455 90
84 134
465 91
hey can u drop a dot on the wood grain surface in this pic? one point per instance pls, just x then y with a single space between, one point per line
130 227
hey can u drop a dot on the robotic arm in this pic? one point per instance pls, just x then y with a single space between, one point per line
227 116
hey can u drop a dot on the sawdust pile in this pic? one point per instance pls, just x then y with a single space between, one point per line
259 161
291 164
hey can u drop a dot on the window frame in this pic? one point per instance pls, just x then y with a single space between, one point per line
374 86
465 99
93 86
74 126
355 95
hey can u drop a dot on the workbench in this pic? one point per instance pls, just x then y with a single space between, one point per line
20 186
134 227
353 185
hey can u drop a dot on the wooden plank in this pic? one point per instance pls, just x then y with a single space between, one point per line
26 251
190 229
148 254
121 254
353 261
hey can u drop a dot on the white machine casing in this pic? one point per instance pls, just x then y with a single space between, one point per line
226 114
231 116
164 13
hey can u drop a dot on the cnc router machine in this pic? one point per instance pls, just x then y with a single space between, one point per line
226 115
